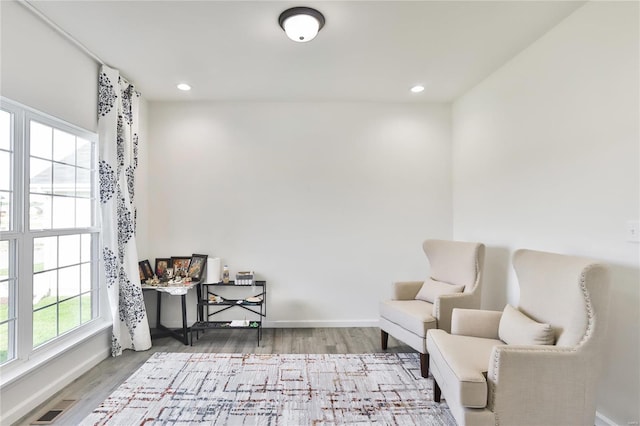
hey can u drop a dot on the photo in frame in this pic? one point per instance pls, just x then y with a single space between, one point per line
197 265
145 271
163 264
180 265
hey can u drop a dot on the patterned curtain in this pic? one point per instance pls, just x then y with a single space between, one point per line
118 131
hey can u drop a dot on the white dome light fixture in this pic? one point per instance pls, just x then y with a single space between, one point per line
301 24
184 87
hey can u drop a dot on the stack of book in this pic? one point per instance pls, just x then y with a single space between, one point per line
244 278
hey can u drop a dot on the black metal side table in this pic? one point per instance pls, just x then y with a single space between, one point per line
207 308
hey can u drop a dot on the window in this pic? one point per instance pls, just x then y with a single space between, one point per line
8 243
48 246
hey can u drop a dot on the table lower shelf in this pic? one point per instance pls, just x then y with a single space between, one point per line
208 325
224 325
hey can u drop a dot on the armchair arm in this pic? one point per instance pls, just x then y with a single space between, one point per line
406 290
551 381
476 323
445 303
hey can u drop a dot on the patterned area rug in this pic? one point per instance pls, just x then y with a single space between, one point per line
237 389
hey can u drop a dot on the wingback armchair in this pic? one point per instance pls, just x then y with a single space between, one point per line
417 306
536 364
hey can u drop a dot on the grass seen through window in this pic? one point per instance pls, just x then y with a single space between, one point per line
69 314
48 322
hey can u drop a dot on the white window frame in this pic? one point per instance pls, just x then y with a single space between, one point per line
26 356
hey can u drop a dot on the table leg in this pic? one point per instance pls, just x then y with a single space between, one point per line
158 306
184 319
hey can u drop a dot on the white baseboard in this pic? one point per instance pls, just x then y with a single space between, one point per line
320 323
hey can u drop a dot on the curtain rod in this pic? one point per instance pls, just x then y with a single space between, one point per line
63 33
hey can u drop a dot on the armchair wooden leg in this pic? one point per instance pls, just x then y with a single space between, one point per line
384 339
424 365
437 393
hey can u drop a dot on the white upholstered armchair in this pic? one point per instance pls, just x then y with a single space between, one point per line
417 306
536 364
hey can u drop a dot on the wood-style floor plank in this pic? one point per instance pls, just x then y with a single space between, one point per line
97 384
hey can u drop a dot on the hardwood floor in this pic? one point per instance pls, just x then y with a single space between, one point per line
96 385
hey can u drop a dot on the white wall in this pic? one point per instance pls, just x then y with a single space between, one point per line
329 202
42 70
546 156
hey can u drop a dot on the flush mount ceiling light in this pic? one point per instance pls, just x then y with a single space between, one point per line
184 87
301 23
417 89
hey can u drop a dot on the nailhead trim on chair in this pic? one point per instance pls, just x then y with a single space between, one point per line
587 298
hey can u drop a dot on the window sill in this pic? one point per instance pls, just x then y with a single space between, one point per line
17 368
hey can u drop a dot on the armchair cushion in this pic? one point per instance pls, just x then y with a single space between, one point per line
518 329
415 316
431 289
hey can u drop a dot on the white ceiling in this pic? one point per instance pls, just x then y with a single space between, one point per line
367 51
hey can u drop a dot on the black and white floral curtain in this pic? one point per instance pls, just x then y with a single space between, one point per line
118 131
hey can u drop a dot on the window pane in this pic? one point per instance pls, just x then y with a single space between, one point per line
69 247
45 289
4 301
40 211
64 147
69 314
4 342
83 212
5 210
45 253
64 179
45 325
5 170
86 308
63 212
84 153
5 130
40 176
83 183
85 277
40 140
69 282
4 261
85 248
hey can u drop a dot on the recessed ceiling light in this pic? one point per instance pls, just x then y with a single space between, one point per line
417 89
184 87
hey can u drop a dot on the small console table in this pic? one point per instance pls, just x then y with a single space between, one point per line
207 308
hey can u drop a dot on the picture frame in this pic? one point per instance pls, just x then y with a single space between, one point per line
163 264
197 265
180 265
145 271
141 273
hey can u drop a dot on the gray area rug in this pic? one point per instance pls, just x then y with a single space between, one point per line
239 389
